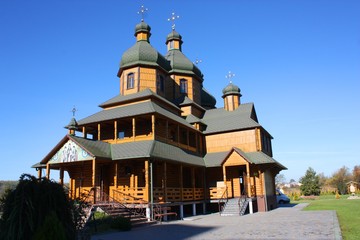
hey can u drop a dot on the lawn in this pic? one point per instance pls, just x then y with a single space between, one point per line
348 212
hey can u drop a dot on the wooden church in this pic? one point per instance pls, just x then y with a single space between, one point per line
161 140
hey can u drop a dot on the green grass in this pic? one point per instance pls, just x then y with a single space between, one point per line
348 212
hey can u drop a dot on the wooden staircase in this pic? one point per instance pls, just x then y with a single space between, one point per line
136 216
235 207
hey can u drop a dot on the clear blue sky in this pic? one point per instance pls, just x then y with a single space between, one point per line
298 61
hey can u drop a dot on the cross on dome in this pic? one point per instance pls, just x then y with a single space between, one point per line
142 12
74 110
230 75
197 61
172 19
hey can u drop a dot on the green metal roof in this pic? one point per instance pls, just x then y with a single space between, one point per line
147 93
170 152
216 159
220 120
130 111
142 53
181 64
207 100
231 89
94 147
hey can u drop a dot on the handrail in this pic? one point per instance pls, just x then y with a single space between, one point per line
222 199
135 199
242 199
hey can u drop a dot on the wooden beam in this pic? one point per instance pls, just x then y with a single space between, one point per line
116 174
133 128
61 176
39 173
115 131
153 125
181 182
99 131
165 182
93 178
147 181
248 180
48 171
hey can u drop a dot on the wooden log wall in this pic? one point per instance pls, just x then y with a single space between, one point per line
245 140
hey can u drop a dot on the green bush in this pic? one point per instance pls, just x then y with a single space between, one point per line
28 209
121 223
51 229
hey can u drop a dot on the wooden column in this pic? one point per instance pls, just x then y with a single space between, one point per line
153 125
248 183
165 182
93 177
178 134
258 139
193 182
39 170
181 182
133 128
48 171
84 132
187 138
147 181
116 174
167 130
61 176
99 131
115 131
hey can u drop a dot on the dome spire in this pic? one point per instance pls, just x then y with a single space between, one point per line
231 94
172 19
142 12
72 126
229 76
142 30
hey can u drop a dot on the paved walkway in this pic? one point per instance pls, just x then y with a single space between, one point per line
286 222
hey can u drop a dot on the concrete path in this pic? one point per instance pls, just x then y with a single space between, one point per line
286 222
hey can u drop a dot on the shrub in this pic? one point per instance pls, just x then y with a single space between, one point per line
30 207
121 223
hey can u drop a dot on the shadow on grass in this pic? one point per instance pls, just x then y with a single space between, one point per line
158 231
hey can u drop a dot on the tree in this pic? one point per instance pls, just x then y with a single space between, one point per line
310 183
279 180
32 207
356 174
340 178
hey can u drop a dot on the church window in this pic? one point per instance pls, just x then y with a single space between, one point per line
130 81
183 86
160 84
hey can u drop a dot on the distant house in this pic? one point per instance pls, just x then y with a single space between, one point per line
162 140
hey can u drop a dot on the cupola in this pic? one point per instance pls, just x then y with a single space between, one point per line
231 96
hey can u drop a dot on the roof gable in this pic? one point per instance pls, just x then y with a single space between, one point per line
72 149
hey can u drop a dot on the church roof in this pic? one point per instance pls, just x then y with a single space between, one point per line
217 158
181 64
128 150
220 120
130 111
147 93
142 53
207 100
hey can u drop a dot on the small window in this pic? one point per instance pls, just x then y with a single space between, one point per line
130 81
183 86
121 135
160 84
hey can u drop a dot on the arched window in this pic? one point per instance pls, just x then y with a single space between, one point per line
183 86
160 84
130 81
